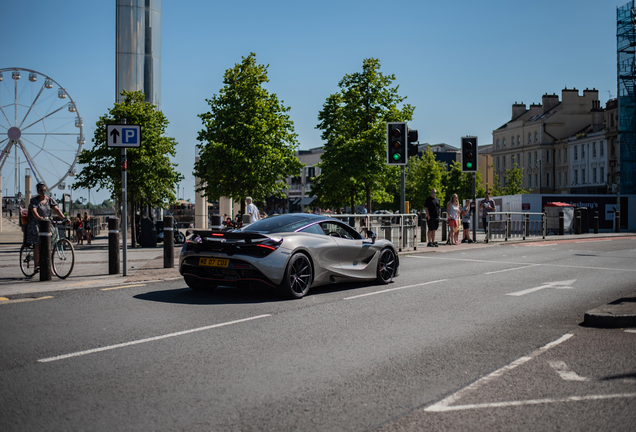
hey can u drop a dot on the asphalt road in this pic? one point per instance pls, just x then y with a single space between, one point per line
482 339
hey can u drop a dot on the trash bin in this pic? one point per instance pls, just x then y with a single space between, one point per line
552 211
148 233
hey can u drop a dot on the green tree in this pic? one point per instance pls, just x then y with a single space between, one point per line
513 182
151 177
248 142
423 174
353 123
461 183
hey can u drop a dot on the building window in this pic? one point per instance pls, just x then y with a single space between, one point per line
565 155
559 177
594 149
503 143
536 181
497 163
518 160
547 179
497 143
536 137
529 138
518 140
547 156
576 152
582 151
583 176
594 175
575 180
536 159
559 156
601 151
529 181
565 178
602 174
529 160
504 162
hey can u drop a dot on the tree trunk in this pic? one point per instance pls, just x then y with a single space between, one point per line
368 199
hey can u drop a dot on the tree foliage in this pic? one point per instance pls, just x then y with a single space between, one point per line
353 168
461 183
151 177
248 142
424 173
513 182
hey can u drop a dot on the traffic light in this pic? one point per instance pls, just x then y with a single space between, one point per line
469 154
396 143
413 148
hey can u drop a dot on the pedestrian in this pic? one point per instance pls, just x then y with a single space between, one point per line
87 227
452 212
79 230
486 206
252 210
41 207
467 216
10 214
432 209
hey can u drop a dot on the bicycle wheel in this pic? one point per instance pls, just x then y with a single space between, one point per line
63 258
27 265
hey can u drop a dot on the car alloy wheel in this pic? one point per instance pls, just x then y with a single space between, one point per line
298 276
386 266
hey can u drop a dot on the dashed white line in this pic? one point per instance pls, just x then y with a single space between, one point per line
511 269
140 341
393 289
564 371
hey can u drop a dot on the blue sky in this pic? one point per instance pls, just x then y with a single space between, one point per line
462 64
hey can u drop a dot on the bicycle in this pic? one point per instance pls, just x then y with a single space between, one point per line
62 255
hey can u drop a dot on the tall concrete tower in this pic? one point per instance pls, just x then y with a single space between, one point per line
138 62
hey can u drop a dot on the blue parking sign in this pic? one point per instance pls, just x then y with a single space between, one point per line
123 135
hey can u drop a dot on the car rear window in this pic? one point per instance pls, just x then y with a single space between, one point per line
276 224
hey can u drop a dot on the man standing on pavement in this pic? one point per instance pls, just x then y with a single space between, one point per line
251 210
432 209
486 206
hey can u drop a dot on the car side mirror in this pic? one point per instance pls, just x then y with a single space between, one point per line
372 235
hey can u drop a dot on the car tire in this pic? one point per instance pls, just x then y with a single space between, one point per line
386 266
298 277
197 284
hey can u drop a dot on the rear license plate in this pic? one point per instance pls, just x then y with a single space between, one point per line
214 262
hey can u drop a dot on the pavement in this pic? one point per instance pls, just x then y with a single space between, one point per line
146 265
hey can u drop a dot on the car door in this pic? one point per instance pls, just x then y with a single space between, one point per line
354 252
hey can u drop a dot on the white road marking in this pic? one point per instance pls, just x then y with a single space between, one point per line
5 300
122 286
529 402
393 289
520 263
630 331
555 285
511 269
140 341
444 404
564 371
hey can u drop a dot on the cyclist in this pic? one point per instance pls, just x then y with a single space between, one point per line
40 207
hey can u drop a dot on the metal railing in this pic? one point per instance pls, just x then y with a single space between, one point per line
511 225
400 229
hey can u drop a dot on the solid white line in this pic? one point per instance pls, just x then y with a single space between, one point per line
443 405
630 331
511 269
393 289
140 341
529 402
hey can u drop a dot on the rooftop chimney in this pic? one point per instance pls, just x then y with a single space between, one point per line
549 102
518 109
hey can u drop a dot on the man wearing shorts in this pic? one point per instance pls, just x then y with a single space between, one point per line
432 209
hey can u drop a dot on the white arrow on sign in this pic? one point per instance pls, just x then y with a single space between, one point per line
555 285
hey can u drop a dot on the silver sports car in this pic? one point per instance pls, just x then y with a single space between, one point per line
292 252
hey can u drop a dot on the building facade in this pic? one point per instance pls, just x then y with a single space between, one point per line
536 139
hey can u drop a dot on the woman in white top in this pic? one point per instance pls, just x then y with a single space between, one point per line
452 211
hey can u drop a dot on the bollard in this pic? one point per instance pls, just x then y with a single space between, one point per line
113 246
595 222
423 228
526 226
168 242
444 226
45 250
507 234
577 224
561 223
617 221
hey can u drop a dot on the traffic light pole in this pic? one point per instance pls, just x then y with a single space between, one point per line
474 205
402 190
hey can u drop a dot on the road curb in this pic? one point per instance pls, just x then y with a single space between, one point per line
617 314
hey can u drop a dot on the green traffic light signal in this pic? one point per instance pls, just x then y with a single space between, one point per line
469 165
396 157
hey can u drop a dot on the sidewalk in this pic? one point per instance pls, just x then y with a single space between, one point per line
146 265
